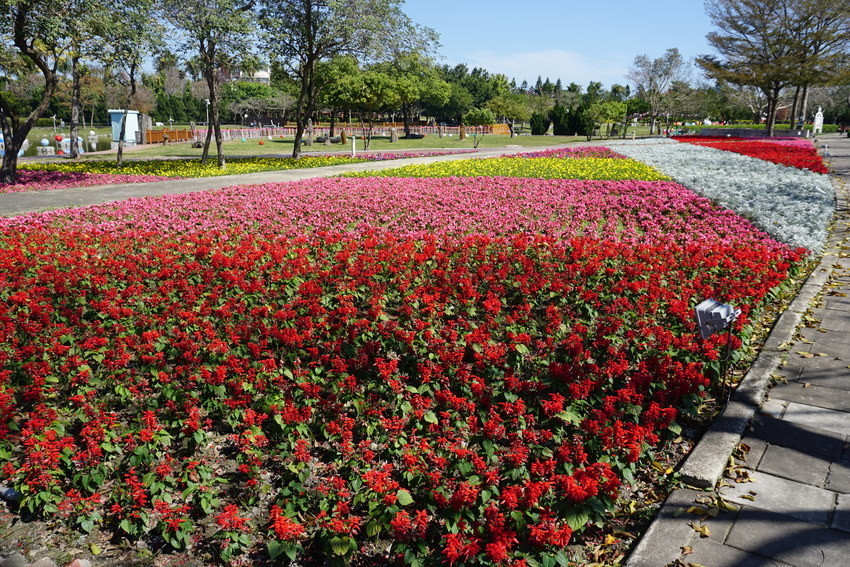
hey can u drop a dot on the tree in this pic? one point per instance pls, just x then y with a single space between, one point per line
334 77
604 112
539 124
32 40
213 33
125 37
653 78
513 108
302 33
755 47
823 38
369 92
484 86
479 117
458 102
84 18
417 83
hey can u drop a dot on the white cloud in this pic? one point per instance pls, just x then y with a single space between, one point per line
570 67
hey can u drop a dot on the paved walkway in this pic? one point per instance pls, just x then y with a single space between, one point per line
789 489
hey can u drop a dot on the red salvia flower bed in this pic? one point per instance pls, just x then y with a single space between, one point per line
472 399
800 155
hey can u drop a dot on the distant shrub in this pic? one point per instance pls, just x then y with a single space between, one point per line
539 124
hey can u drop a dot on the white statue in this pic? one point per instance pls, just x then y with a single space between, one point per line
818 125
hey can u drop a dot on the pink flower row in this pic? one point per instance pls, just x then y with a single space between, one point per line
626 211
49 180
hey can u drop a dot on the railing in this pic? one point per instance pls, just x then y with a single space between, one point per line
159 136
289 132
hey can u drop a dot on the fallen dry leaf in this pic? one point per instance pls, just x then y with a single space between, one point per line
702 529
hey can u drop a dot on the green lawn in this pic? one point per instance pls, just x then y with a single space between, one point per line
283 147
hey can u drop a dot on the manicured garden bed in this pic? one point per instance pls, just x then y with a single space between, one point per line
44 176
385 370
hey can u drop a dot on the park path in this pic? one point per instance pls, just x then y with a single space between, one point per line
13 204
790 489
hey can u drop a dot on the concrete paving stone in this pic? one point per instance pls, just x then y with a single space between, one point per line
841 520
837 302
820 418
712 554
757 450
720 526
800 501
836 321
797 436
795 465
832 343
830 398
833 340
773 408
822 371
786 539
839 477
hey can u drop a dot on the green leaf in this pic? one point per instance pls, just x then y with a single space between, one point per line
577 520
276 548
569 417
339 546
373 528
521 348
404 497
431 417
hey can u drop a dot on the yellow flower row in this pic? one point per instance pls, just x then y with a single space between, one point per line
547 168
190 167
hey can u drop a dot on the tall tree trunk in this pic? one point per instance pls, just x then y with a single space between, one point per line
804 105
794 107
9 169
772 107
15 132
75 106
215 120
206 151
406 117
333 123
306 104
119 162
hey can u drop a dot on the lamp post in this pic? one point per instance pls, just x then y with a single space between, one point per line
170 122
206 100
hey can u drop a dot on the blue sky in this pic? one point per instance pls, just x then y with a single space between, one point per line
576 41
